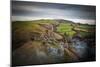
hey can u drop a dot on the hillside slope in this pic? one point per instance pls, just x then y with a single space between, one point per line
50 41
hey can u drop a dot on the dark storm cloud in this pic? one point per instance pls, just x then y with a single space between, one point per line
43 10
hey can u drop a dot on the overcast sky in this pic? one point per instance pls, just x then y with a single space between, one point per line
22 11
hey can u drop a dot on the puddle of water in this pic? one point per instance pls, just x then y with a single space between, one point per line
80 46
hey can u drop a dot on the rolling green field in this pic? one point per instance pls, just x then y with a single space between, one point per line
66 28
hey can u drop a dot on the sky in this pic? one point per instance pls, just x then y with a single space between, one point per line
24 11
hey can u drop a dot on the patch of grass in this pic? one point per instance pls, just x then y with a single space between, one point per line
27 27
85 26
65 28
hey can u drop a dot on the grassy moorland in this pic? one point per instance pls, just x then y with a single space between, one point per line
53 41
